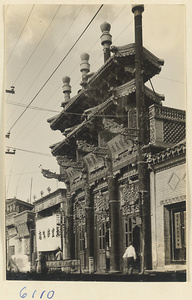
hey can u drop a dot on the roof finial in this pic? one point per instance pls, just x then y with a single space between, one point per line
66 90
106 39
84 68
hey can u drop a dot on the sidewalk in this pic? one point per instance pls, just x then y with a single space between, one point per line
59 276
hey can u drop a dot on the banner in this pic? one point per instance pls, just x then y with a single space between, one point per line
48 233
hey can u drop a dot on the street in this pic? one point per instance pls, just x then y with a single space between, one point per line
59 276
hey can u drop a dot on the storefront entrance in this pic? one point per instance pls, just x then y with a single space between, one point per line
175 233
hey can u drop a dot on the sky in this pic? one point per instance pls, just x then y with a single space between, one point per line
37 38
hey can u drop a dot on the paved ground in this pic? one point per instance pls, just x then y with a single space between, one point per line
59 276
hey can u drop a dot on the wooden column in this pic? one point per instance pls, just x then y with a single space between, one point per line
69 225
143 139
89 210
114 216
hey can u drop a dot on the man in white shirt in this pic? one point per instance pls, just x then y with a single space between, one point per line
130 254
59 255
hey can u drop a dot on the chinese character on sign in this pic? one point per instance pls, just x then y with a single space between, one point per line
53 232
48 232
44 236
40 236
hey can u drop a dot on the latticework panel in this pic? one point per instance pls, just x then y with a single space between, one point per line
173 132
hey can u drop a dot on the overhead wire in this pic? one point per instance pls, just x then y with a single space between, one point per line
37 44
93 64
35 51
56 68
30 151
21 33
78 64
171 79
114 41
32 107
36 77
54 51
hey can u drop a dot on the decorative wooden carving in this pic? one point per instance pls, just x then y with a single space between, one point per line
112 126
129 198
86 147
78 214
66 162
101 205
48 174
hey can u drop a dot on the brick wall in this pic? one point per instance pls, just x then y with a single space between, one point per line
167 187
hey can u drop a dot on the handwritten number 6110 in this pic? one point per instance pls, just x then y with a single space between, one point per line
23 294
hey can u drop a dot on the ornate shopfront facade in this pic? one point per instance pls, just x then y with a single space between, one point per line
101 159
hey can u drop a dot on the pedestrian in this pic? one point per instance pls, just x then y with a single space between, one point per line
59 254
130 255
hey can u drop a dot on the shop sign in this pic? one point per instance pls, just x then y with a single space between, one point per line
93 162
48 233
119 145
178 244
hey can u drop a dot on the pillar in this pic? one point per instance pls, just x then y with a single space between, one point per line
114 220
71 239
89 211
143 139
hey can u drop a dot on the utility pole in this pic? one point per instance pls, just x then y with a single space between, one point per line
143 139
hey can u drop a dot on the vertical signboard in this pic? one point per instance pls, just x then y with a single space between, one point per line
178 230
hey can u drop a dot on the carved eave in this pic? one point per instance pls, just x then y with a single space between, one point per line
65 147
71 115
130 87
118 69
152 64
124 56
170 153
69 142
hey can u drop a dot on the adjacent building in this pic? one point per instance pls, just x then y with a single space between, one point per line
20 229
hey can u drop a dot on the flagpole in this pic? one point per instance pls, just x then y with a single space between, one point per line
31 189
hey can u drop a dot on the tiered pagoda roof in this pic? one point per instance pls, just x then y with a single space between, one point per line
116 71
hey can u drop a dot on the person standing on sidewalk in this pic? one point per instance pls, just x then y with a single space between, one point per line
59 254
130 255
